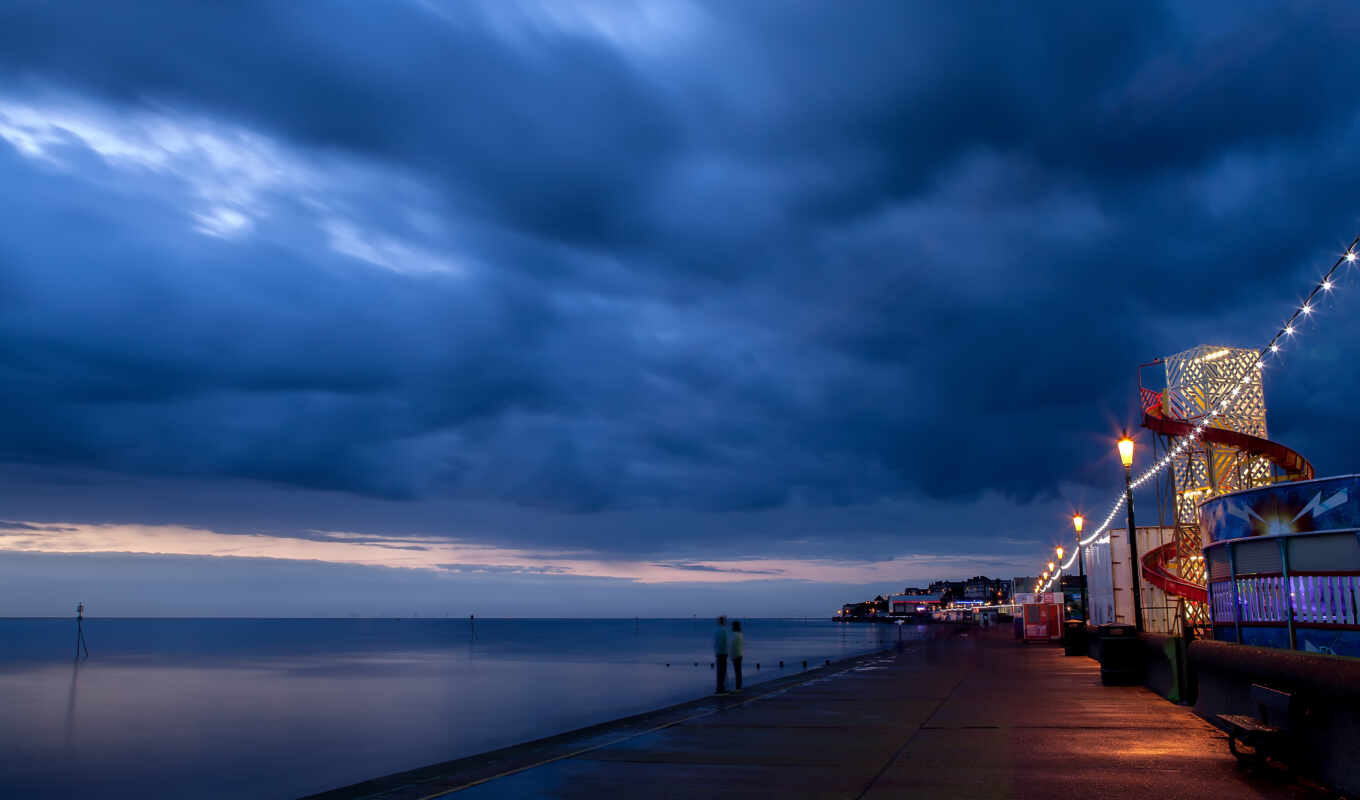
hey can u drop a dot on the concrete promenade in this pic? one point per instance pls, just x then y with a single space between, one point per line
973 716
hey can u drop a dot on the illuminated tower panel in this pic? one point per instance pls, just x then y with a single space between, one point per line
1197 382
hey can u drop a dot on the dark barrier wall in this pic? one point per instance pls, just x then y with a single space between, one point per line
1164 666
1326 690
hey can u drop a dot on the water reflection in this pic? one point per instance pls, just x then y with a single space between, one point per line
284 708
71 708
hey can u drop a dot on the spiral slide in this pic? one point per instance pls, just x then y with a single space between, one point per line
1156 563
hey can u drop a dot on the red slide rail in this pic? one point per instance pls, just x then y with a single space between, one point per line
1156 563
1156 571
1294 465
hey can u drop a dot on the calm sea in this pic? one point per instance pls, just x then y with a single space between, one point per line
208 708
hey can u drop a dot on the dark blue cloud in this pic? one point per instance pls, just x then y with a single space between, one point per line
740 258
710 568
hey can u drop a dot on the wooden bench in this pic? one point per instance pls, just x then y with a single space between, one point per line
1267 734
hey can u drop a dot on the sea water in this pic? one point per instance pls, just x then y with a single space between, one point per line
218 708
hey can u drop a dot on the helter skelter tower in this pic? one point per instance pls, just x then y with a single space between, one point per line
1233 453
1197 380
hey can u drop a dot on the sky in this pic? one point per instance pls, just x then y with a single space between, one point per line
632 308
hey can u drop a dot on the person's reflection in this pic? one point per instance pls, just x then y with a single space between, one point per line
71 707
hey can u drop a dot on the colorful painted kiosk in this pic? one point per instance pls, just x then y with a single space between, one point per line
1041 616
1284 565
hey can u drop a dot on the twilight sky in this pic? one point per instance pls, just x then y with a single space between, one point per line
616 308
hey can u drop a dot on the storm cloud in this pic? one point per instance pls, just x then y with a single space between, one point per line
613 258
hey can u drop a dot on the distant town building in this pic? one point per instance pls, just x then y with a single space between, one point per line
975 590
947 589
878 607
901 605
986 589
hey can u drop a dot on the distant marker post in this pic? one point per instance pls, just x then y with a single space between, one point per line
80 631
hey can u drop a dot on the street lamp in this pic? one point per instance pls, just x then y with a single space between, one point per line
1126 458
1126 451
1077 522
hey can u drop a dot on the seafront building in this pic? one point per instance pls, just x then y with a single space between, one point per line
940 595
900 605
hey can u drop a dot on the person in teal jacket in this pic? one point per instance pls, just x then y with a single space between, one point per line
736 647
720 653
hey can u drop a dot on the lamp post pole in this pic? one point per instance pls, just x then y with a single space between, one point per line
1126 456
1077 522
1059 550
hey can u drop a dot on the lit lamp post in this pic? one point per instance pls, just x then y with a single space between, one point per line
1078 521
1126 458
1051 572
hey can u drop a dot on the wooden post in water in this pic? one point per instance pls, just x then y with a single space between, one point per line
472 624
80 631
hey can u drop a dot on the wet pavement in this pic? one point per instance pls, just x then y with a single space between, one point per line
973 716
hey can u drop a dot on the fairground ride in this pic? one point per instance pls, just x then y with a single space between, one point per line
1231 453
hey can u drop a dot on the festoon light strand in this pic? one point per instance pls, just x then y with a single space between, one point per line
1271 351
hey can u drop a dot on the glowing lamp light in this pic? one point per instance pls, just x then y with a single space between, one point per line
1307 309
1126 451
1050 566
1326 286
1059 551
1078 521
1289 329
1350 255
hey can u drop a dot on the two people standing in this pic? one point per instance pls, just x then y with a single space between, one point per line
728 645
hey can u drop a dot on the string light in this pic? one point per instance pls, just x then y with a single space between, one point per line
1100 535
